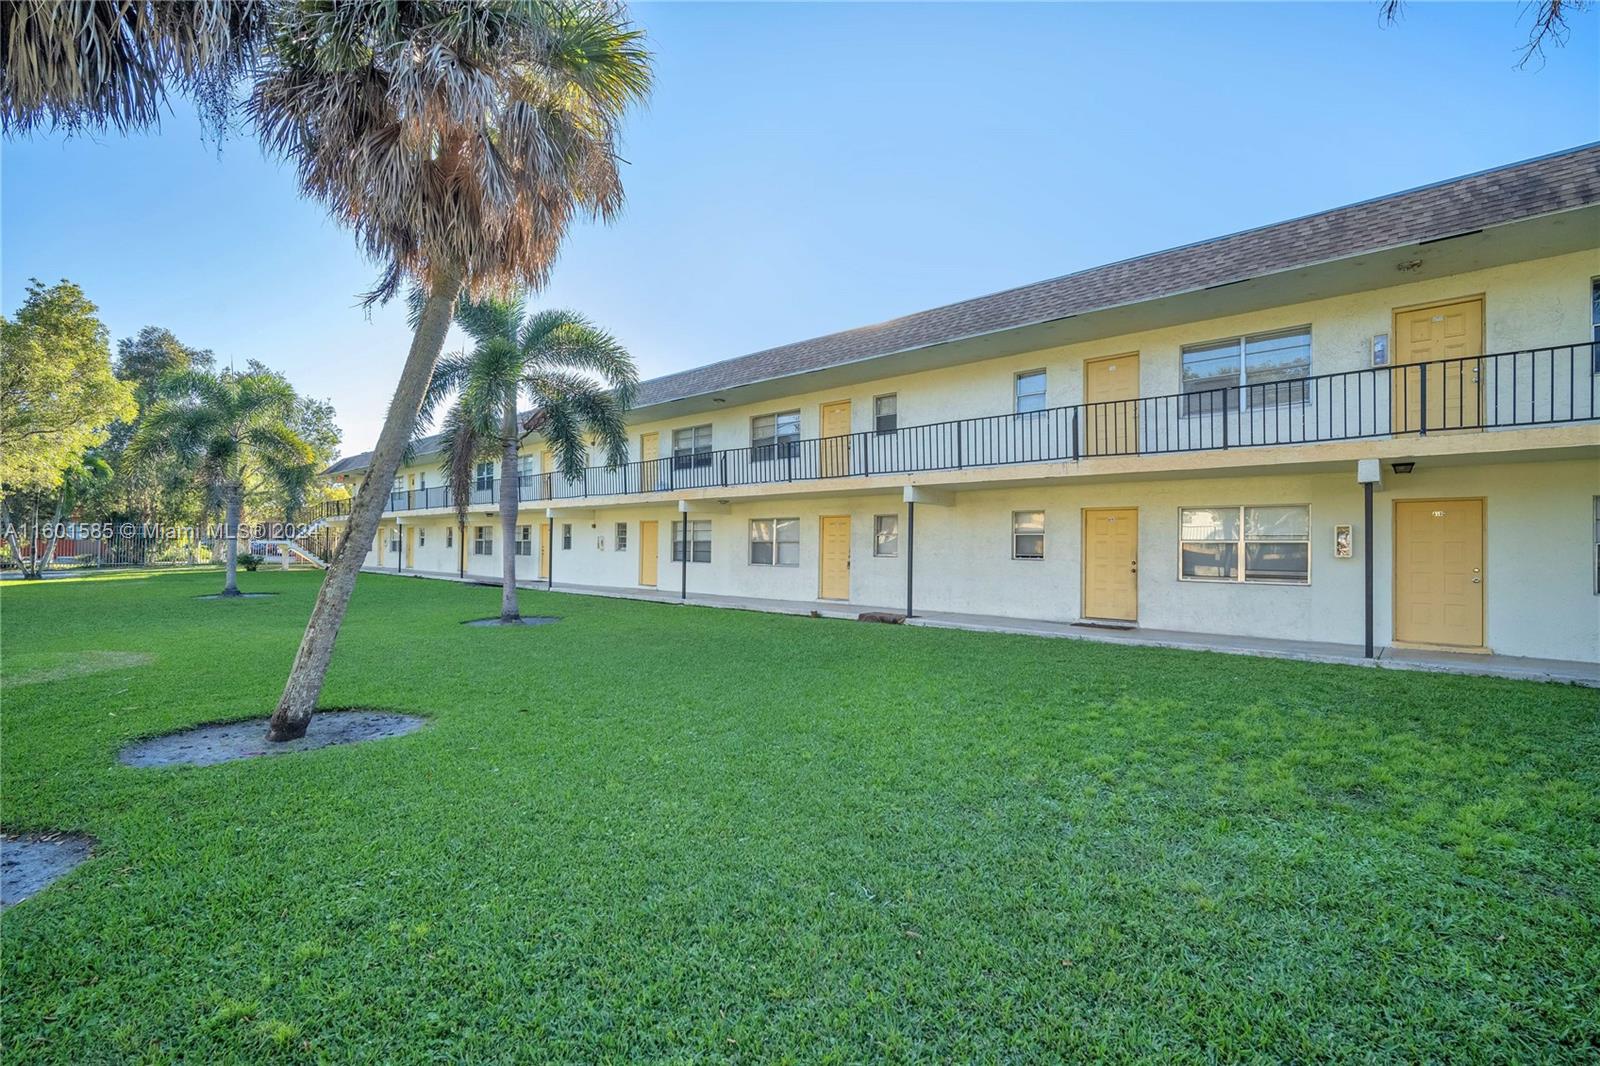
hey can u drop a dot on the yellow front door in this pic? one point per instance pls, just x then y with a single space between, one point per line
1438 572
411 547
836 439
649 451
1111 417
383 534
649 547
1449 339
544 551
1111 563
835 580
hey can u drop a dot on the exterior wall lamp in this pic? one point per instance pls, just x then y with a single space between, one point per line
1402 468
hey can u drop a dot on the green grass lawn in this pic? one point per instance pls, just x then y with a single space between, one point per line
658 832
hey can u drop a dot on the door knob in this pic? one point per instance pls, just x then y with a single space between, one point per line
1133 568
1477 580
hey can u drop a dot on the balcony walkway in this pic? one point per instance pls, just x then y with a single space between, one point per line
1508 666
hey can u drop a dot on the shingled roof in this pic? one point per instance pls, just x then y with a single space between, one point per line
1541 186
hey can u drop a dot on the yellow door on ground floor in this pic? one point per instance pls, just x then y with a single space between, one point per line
1111 563
543 548
411 547
1438 572
649 549
383 535
835 557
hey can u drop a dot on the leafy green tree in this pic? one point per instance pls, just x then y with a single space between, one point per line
60 501
458 141
155 487
578 381
57 393
234 430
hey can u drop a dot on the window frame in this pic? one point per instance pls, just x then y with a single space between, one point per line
694 540
524 544
483 477
422 536
566 536
619 540
449 536
776 542
1241 544
893 416
694 456
1044 391
482 540
877 536
1594 322
781 445
1015 533
1204 403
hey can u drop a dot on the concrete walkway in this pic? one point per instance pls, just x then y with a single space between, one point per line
1510 666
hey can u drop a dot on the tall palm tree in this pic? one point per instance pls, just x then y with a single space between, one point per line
578 380
94 64
458 140
232 431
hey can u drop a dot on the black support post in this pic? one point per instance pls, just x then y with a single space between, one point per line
1366 554
911 549
550 548
684 543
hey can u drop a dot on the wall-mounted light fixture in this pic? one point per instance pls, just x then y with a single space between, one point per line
1402 468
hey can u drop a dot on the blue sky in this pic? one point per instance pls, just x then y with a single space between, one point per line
804 168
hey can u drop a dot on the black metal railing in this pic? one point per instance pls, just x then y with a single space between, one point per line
327 509
1536 387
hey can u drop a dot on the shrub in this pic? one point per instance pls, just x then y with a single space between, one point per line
250 561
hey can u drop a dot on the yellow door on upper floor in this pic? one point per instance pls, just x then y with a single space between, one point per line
1111 411
835 557
649 552
1438 572
1111 563
649 450
1449 339
836 441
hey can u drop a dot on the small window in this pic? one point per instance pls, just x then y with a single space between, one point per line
886 536
525 468
1597 545
886 413
699 541
566 536
1267 545
524 540
449 537
1030 391
621 538
1594 320
399 484
482 541
691 447
774 436
1027 534
422 536
394 539
775 542
483 479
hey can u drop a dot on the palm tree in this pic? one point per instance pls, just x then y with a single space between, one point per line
458 140
232 431
578 379
93 64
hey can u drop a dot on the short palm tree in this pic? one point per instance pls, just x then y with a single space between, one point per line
230 429
578 382
458 140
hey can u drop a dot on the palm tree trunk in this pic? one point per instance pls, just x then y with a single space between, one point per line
310 668
509 498
230 529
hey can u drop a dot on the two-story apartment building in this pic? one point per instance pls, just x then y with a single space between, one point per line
1189 440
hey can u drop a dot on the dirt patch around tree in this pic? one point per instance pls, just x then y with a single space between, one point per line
60 665
525 620
238 596
208 745
29 862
